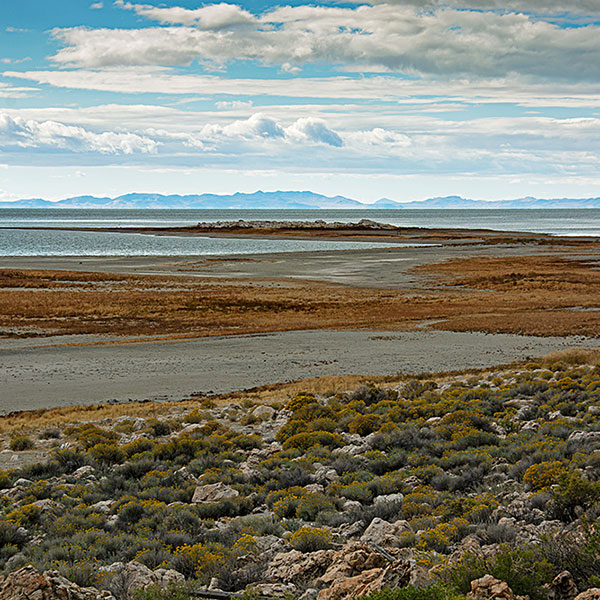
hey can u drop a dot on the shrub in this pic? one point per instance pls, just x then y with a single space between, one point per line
432 592
524 569
574 495
20 442
543 475
364 424
305 440
309 539
108 454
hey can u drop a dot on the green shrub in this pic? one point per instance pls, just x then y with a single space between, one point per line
18 443
524 569
432 592
306 440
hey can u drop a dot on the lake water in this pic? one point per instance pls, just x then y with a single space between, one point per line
15 242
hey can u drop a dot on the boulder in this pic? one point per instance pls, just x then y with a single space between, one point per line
274 590
136 576
264 412
388 499
30 584
287 567
396 575
83 472
563 587
213 492
490 588
383 533
351 560
591 594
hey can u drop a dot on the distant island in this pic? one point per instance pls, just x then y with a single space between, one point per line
291 200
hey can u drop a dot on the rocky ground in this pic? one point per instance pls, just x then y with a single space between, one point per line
439 487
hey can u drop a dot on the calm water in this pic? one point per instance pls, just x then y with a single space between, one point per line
570 222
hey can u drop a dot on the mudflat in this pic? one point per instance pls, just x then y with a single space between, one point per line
51 373
94 329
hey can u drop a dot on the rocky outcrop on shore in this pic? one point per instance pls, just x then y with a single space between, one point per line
318 224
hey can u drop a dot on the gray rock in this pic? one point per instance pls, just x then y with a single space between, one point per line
213 492
264 412
383 533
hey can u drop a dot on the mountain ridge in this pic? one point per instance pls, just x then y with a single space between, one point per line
298 200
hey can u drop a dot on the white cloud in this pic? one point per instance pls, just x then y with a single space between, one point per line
97 6
31 134
234 105
381 137
213 17
394 37
315 130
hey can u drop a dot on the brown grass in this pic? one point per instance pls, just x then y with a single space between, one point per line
535 295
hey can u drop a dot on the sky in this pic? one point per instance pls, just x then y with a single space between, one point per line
402 99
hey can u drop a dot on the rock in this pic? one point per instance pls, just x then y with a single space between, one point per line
562 587
136 576
289 566
264 412
388 499
47 505
396 575
309 594
213 492
274 590
325 475
22 482
585 438
314 488
412 483
29 584
382 533
351 560
490 588
82 472
351 505
591 594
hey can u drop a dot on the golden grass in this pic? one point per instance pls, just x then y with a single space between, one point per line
535 295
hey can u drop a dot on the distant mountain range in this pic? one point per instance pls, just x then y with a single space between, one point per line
289 200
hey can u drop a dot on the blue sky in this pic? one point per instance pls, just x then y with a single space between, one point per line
404 99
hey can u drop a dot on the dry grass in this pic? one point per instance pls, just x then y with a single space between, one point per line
535 295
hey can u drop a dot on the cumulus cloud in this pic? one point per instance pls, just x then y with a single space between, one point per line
315 130
400 37
97 6
381 137
32 134
214 16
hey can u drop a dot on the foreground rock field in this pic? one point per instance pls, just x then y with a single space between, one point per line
482 484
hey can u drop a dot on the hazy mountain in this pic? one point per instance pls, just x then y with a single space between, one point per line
291 200
257 200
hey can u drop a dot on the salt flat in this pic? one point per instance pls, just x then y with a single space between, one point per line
49 373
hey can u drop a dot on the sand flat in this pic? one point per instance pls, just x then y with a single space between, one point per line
54 376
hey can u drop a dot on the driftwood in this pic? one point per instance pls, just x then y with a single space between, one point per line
383 552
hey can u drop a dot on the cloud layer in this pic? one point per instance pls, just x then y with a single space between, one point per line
30 134
400 38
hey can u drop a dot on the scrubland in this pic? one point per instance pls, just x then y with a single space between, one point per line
453 475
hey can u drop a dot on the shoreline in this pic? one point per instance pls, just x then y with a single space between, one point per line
134 371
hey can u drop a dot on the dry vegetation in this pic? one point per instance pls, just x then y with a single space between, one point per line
536 295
